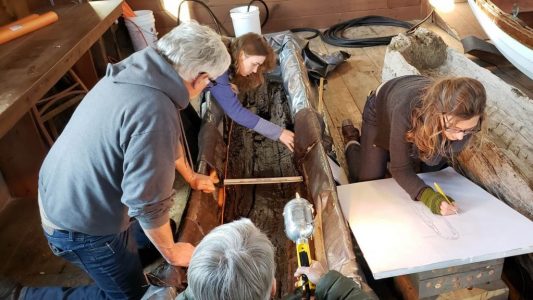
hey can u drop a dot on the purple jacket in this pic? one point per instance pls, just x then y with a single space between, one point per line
228 100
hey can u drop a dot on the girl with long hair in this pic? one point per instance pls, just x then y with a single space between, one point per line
415 121
251 58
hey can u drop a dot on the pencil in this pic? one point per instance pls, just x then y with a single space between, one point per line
442 193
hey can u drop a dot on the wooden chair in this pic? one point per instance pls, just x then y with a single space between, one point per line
46 111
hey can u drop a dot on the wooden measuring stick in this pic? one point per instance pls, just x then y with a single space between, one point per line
271 180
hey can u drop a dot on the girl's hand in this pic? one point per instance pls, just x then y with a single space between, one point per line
287 138
447 209
235 89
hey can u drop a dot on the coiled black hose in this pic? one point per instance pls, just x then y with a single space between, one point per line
334 34
315 32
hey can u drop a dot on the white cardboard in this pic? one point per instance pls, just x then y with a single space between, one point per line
400 236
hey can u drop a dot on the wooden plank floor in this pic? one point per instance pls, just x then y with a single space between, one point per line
462 20
24 251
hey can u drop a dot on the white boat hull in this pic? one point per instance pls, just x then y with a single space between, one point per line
518 54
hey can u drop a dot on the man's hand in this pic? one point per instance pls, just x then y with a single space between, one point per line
287 138
203 183
180 255
313 273
177 254
197 181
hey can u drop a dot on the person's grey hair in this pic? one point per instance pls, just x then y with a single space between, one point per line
235 261
193 49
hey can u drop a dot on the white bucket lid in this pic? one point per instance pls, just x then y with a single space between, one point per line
142 15
242 11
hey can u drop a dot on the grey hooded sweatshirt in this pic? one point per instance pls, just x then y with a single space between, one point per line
115 158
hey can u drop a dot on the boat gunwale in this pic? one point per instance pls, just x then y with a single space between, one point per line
514 28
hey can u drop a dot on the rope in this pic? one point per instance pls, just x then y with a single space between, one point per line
226 172
186 145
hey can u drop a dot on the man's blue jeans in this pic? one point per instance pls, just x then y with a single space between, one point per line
112 262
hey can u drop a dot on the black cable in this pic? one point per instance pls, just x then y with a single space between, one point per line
266 9
420 23
215 19
334 34
252 205
254 191
315 32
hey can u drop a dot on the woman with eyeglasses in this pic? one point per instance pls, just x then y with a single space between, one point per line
417 122
251 58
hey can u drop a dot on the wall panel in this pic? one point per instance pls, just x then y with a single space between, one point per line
285 14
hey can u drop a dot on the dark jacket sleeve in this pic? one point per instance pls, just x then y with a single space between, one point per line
335 286
229 102
401 163
227 99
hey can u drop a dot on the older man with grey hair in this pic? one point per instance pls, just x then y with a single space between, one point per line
235 261
115 162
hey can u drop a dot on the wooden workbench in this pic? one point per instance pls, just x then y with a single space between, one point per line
30 66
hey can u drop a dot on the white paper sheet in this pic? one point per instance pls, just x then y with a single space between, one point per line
338 173
400 236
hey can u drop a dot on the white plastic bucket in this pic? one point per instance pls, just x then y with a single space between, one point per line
245 21
142 29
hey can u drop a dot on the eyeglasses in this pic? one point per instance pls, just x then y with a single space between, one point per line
212 81
454 130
